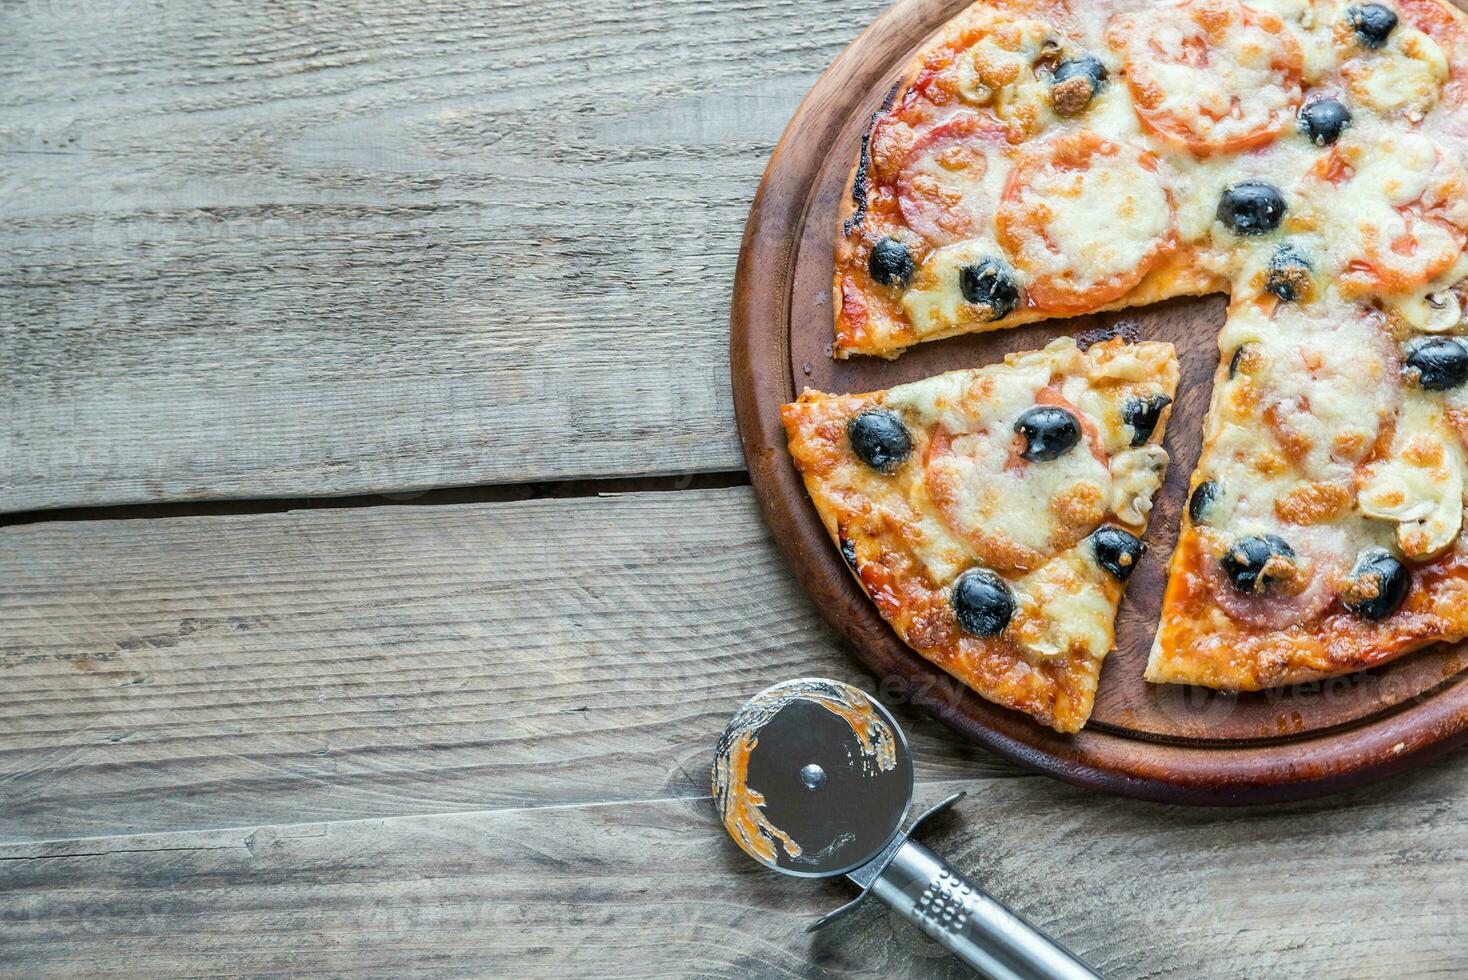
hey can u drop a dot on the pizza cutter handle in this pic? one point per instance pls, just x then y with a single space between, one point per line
969 922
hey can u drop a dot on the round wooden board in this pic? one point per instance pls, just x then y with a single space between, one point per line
1158 742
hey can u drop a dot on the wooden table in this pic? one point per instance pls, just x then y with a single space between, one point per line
466 267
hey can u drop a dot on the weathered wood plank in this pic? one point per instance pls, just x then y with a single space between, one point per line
306 248
652 889
331 663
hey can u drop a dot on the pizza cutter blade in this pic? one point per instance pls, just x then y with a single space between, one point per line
813 778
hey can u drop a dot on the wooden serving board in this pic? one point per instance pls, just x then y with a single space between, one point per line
1160 742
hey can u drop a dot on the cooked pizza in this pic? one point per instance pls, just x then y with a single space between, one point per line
993 515
1047 159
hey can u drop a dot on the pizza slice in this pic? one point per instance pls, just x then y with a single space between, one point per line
1322 534
993 515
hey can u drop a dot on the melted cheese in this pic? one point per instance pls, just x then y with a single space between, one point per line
1024 506
1399 209
1065 608
1021 507
999 71
1315 390
1232 92
1419 487
1094 225
1314 377
948 189
1042 510
935 302
1436 307
1405 75
1310 23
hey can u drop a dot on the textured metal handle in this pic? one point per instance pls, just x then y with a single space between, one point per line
973 925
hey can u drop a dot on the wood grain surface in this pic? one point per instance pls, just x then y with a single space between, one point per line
273 719
1164 742
297 249
319 249
1351 889
332 664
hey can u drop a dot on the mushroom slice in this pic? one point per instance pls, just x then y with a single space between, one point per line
1420 488
1135 475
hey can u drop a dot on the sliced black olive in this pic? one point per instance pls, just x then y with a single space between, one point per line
1378 585
890 263
1233 362
1142 415
1204 494
1251 207
1075 83
989 283
1324 121
1373 23
1289 274
1049 433
1086 66
848 551
1437 363
982 602
1116 550
1252 563
879 439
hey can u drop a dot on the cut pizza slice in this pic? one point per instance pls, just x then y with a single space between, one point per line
1323 525
1007 181
993 515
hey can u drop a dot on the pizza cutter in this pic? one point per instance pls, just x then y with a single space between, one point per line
813 778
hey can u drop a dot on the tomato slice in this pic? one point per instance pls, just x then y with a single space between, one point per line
1408 222
1013 513
1086 218
940 190
1422 249
1213 76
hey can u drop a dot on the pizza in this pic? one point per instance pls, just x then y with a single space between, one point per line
994 514
1044 159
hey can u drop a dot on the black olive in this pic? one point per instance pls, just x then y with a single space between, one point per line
1378 585
1245 563
1116 550
890 263
1289 274
1233 362
989 283
879 439
1324 121
1204 494
1251 207
848 551
1437 363
1373 23
1076 82
982 602
1049 433
1086 66
1142 415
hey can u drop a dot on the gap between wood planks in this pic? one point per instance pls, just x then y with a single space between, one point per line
487 493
